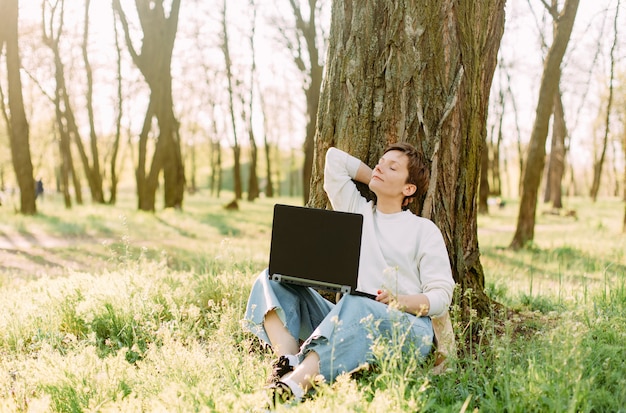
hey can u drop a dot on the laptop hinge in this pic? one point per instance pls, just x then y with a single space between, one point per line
343 289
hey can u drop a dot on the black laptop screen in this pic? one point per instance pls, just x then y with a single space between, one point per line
319 245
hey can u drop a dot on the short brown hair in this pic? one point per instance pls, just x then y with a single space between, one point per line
419 174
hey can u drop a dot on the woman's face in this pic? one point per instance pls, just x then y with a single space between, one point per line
389 177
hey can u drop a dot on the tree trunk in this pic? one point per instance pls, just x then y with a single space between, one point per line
496 187
253 179
312 97
118 118
17 124
311 67
229 75
533 170
66 162
599 161
624 185
269 186
483 195
52 30
556 165
94 174
423 76
154 62
237 172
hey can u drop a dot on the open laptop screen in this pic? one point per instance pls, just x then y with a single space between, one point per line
316 247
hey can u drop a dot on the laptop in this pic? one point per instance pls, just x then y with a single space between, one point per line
316 248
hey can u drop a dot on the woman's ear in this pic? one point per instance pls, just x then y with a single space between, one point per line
409 189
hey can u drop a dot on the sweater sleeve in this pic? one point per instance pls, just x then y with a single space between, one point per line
435 272
339 170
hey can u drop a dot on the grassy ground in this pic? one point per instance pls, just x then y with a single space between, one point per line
110 309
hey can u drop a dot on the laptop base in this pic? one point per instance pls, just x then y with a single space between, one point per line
341 289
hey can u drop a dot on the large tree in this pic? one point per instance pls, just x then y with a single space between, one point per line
535 160
416 71
154 61
17 124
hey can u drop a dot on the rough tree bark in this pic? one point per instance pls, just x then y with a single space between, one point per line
416 71
563 24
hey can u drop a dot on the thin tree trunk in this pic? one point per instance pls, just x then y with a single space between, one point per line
556 166
520 152
624 185
235 146
483 194
51 38
496 187
599 162
94 174
564 23
253 179
269 187
118 118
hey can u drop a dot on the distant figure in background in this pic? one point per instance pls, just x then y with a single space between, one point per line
39 188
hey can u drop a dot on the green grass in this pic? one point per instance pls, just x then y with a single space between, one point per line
118 310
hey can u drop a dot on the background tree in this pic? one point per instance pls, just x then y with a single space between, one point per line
269 185
624 177
253 179
423 77
154 62
556 162
599 161
563 24
238 187
92 169
53 20
304 39
17 124
118 116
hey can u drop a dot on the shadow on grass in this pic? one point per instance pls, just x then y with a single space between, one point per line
34 258
182 232
82 227
60 227
554 262
222 222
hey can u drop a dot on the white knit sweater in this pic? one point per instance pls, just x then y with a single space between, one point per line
400 252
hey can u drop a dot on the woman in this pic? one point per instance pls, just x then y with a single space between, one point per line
404 262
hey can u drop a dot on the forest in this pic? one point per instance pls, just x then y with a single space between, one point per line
147 141
229 73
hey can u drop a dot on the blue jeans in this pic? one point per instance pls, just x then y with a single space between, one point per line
342 335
